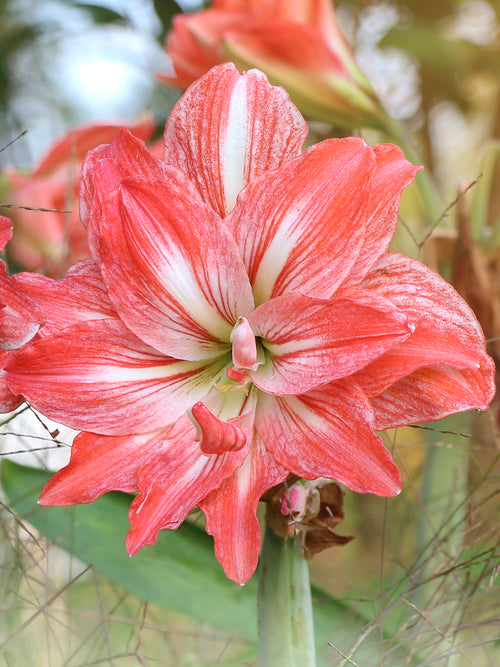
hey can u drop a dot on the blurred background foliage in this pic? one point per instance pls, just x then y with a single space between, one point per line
419 585
64 62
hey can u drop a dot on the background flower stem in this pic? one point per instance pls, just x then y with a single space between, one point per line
285 617
429 194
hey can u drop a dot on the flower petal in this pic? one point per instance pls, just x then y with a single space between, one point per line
392 174
231 512
192 45
20 316
79 140
328 432
99 463
446 329
215 133
78 297
171 269
8 400
300 228
121 385
311 341
102 172
174 481
287 51
316 13
5 231
432 393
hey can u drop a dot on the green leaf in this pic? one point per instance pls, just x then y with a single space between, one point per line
166 10
179 573
100 15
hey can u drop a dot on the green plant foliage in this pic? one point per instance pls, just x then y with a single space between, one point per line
101 15
171 574
166 10
180 573
13 39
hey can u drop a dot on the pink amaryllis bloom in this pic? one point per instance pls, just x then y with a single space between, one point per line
20 320
52 239
241 319
298 44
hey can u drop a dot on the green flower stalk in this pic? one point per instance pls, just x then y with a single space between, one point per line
286 631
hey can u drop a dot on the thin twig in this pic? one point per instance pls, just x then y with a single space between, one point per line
19 136
43 608
34 208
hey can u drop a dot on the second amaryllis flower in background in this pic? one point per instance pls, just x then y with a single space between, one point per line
20 320
241 319
299 45
49 236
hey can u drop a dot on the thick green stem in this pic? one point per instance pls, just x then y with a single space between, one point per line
286 630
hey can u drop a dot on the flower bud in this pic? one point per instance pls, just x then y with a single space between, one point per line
298 45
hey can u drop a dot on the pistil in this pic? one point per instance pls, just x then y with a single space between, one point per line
214 435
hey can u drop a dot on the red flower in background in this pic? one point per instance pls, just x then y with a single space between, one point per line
20 319
241 319
51 240
298 44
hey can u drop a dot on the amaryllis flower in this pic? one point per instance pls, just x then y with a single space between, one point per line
52 239
241 319
20 319
299 46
